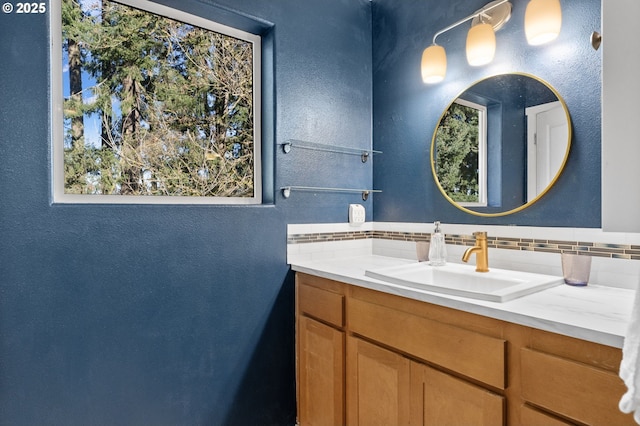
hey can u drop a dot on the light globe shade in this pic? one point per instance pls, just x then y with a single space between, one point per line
542 21
434 64
481 45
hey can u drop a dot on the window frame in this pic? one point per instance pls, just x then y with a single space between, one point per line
482 154
58 194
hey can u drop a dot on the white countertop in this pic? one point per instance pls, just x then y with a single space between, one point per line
598 314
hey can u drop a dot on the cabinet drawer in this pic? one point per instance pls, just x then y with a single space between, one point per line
578 391
321 304
466 352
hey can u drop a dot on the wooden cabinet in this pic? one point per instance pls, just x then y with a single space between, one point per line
439 399
386 388
415 340
370 358
378 385
464 351
321 373
320 352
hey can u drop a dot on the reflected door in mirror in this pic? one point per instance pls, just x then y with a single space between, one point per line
546 145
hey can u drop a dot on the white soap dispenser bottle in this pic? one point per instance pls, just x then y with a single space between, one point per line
437 248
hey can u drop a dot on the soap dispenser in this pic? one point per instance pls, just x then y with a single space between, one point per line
437 248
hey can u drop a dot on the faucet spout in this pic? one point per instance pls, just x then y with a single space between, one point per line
480 250
468 252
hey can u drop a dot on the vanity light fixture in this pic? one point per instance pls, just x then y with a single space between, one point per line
434 64
543 19
481 40
481 45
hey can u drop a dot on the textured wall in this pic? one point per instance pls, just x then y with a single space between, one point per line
406 111
129 314
184 314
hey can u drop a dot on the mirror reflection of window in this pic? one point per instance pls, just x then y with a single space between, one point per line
461 153
506 168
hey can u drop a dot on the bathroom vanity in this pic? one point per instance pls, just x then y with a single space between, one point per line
373 353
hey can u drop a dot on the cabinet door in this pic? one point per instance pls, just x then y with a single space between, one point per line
440 399
320 373
378 385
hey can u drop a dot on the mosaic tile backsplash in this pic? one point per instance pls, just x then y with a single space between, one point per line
606 250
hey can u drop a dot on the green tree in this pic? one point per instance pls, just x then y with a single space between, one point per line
174 101
457 153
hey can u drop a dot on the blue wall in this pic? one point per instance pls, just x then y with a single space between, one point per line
130 314
184 314
406 110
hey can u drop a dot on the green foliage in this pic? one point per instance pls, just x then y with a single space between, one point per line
175 103
457 153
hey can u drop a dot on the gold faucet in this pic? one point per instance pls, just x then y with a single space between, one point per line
481 251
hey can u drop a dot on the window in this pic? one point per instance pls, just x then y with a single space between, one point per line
461 153
153 105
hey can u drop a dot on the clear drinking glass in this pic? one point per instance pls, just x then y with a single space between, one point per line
576 269
422 251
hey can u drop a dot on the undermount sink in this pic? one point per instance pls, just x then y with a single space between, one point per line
497 285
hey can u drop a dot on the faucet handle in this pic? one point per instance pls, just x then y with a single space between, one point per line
480 234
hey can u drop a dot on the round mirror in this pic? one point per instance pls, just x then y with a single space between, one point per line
501 144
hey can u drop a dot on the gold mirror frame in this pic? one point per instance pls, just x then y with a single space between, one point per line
539 195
